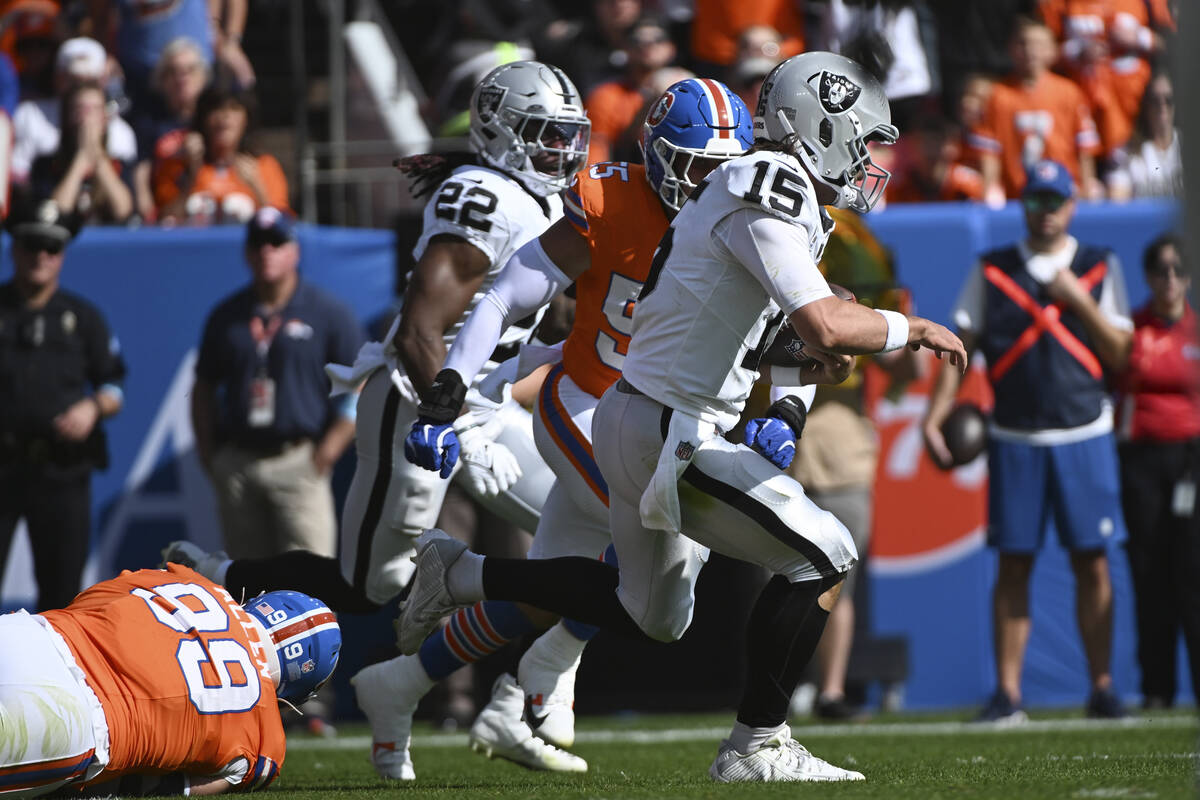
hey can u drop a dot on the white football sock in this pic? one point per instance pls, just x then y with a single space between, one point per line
746 740
464 578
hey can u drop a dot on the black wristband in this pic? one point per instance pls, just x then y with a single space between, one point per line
791 411
444 399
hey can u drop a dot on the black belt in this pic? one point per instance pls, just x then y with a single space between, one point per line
625 387
268 448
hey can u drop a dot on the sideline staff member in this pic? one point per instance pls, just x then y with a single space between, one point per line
266 431
60 375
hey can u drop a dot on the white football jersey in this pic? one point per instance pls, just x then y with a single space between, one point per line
705 316
493 212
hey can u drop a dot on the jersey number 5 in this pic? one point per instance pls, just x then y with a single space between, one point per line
220 675
618 310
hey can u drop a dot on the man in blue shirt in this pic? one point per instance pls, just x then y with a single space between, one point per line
266 430
1051 452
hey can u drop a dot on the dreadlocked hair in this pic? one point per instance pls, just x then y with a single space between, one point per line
428 170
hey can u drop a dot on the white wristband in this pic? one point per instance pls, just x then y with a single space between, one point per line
897 330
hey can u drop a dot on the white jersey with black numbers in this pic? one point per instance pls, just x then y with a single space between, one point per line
740 256
496 214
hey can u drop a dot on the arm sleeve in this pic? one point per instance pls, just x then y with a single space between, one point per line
1114 302
528 281
805 393
777 253
106 367
968 309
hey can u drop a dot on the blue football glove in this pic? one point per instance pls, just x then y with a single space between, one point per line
432 446
772 439
774 436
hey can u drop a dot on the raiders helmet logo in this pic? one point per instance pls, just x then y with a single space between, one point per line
837 92
660 110
490 98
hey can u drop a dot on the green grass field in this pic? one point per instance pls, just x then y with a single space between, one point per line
920 757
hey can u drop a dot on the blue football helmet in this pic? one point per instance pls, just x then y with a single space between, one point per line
694 118
306 638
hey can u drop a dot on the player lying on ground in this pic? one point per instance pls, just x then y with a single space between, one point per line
158 682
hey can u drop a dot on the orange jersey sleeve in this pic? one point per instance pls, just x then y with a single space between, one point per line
182 675
613 206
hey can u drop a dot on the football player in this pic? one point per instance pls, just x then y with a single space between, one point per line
528 137
737 258
158 681
615 213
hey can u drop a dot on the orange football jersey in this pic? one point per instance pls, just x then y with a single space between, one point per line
614 207
181 673
1021 125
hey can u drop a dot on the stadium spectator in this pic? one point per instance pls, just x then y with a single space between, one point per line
1034 114
973 39
615 105
136 33
718 24
60 376
1085 55
1138 34
156 683
266 432
1150 165
217 177
885 37
591 51
1051 452
932 168
163 125
82 176
758 51
1160 454
37 122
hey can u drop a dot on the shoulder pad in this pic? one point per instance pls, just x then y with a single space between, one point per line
772 182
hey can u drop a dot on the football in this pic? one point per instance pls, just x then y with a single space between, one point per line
786 349
965 432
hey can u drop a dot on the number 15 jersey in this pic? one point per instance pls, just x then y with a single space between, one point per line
615 209
182 674
706 315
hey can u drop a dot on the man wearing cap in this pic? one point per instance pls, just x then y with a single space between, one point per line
37 126
266 430
60 375
1051 452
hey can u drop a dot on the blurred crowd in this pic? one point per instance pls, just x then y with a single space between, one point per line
134 112
979 90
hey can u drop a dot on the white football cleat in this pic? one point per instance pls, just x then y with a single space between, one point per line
499 732
549 697
194 557
782 758
429 600
388 694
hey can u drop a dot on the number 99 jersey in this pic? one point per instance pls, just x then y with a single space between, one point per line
497 215
182 674
617 211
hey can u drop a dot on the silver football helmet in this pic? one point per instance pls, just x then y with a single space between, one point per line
825 108
527 120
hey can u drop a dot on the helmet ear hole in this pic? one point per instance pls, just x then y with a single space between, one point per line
825 132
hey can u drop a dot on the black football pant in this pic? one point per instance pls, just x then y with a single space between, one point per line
1164 557
57 512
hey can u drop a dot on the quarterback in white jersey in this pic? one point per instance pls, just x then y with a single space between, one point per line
741 252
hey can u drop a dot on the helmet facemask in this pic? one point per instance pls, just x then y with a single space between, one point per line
678 163
551 148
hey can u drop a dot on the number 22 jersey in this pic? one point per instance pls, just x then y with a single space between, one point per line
181 673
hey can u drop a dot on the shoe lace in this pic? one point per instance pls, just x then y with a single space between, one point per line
791 753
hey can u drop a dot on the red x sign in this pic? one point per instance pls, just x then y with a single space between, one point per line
1045 319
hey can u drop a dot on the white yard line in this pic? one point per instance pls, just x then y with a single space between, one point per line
801 732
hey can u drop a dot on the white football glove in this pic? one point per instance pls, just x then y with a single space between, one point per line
491 467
